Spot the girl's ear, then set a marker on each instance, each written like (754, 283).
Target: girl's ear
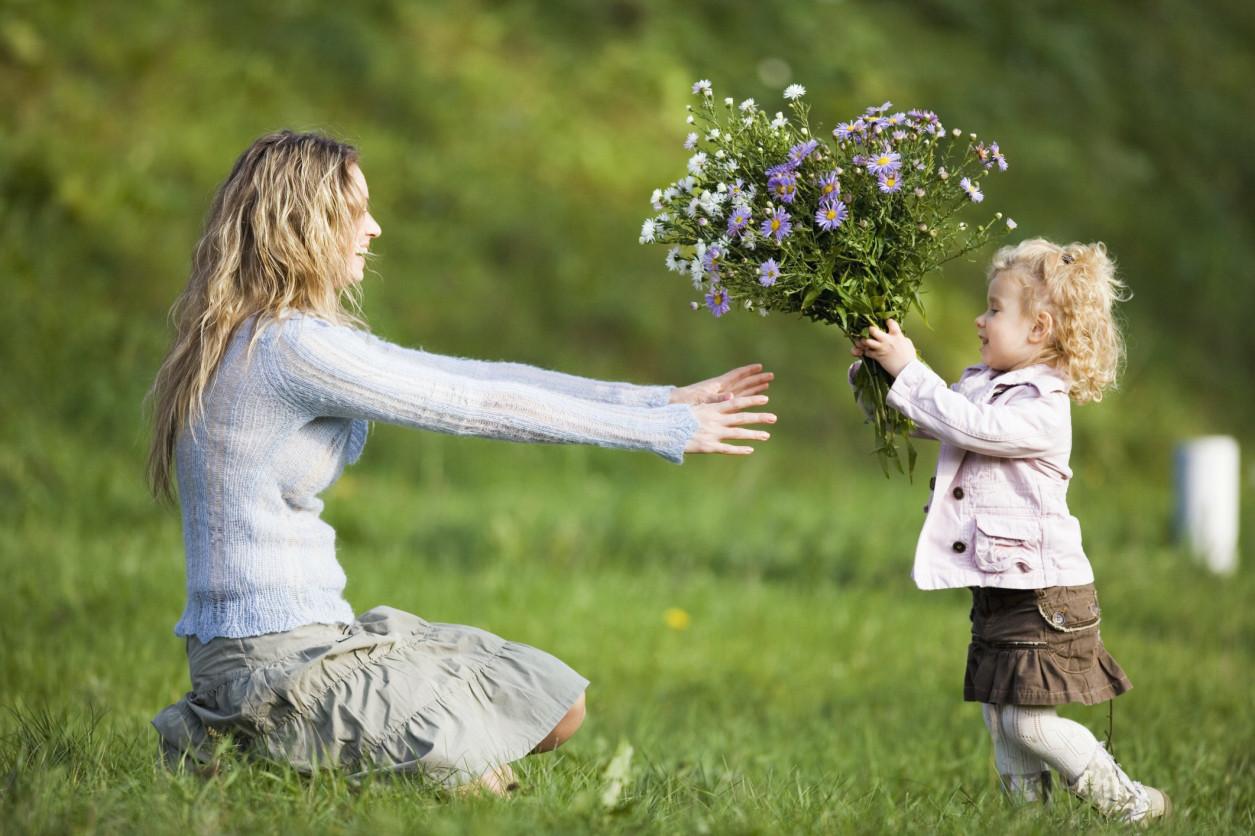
(1042, 329)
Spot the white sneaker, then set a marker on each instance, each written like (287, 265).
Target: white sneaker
(1105, 785)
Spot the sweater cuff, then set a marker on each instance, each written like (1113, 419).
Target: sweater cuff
(657, 396)
(678, 438)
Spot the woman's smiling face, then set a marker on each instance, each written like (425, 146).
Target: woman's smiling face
(366, 230)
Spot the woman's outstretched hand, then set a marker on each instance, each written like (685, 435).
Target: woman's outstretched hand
(738, 383)
(724, 420)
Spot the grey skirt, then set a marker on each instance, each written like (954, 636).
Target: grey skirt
(389, 691)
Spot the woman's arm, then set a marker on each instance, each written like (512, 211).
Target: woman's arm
(628, 394)
(326, 369)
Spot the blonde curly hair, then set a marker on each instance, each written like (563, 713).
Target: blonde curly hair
(1077, 285)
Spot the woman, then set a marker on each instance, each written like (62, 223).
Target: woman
(263, 399)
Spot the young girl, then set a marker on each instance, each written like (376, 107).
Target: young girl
(262, 401)
(998, 520)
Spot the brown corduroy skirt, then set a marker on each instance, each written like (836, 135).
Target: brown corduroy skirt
(1039, 647)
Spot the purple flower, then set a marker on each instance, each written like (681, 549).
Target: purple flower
(831, 215)
(712, 260)
(899, 135)
(885, 161)
(783, 186)
(829, 187)
(897, 120)
(802, 150)
(890, 181)
(717, 300)
(768, 272)
(782, 168)
(777, 226)
(702, 87)
(850, 130)
(738, 220)
(973, 190)
(998, 156)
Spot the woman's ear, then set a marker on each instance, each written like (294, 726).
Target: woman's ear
(1043, 328)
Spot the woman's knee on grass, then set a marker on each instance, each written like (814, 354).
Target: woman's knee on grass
(567, 726)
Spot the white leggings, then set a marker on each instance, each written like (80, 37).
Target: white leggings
(1030, 738)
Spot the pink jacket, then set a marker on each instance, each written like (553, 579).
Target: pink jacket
(998, 515)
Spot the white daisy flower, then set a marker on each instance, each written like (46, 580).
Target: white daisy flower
(697, 162)
(674, 263)
(647, 231)
(702, 87)
(779, 122)
(748, 106)
(794, 91)
(1011, 224)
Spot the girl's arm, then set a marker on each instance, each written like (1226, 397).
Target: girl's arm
(330, 370)
(1030, 426)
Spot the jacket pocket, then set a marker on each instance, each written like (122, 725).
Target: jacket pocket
(1007, 544)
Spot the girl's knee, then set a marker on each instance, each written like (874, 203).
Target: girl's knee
(1023, 724)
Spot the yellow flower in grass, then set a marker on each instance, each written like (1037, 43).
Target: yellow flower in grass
(676, 618)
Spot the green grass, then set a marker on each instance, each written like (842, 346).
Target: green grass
(814, 689)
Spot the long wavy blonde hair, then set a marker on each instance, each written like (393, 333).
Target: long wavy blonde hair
(1078, 286)
(277, 236)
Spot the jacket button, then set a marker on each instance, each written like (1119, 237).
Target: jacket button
(932, 484)
(958, 493)
(959, 546)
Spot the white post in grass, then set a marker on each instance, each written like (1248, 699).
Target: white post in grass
(1207, 500)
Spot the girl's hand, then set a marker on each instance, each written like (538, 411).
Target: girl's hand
(892, 349)
(738, 383)
(723, 420)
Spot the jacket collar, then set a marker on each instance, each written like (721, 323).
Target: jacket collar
(1046, 378)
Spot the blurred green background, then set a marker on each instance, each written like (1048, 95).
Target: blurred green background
(511, 148)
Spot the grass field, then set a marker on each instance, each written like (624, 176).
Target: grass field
(813, 689)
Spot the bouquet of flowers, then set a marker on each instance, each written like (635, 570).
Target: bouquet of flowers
(772, 217)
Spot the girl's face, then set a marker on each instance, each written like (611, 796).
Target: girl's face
(364, 232)
(1008, 338)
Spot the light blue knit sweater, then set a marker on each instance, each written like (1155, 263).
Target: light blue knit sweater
(282, 421)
